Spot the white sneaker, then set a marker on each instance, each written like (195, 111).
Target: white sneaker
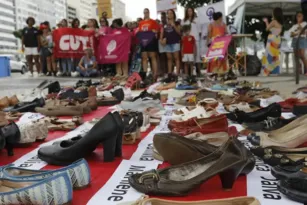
(29, 74)
(75, 74)
(59, 74)
(35, 74)
(41, 74)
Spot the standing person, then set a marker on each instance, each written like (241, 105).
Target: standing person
(270, 61)
(122, 67)
(87, 66)
(162, 54)
(217, 29)
(92, 25)
(151, 49)
(75, 24)
(66, 63)
(188, 49)
(104, 30)
(170, 38)
(190, 18)
(46, 50)
(302, 44)
(31, 45)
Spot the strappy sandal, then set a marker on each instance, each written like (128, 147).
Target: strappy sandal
(133, 81)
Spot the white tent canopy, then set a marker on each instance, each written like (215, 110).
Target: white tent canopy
(265, 7)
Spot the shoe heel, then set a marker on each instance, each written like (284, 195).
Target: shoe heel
(228, 178)
(129, 138)
(138, 134)
(249, 167)
(119, 145)
(9, 148)
(109, 147)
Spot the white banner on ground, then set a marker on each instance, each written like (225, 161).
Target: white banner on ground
(164, 5)
(144, 153)
(29, 117)
(205, 14)
(262, 185)
(117, 189)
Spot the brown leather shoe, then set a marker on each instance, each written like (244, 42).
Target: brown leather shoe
(178, 150)
(91, 102)
(230, 201)
(13, 100)
(4, 103)
(61, 111)
(227, 162)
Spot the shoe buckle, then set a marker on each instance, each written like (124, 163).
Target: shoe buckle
(151, 175)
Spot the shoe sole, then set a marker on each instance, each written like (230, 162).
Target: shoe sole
(292, 194)
(54, 162)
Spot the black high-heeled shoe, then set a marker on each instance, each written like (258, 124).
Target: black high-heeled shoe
(273, 111)
(11, 135)
(106, 131)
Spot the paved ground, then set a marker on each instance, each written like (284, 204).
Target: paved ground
(18, 84)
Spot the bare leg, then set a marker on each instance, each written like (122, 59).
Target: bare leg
(48, 60)
(30, 62)
(37, 64)
(154, 63)
(125, 68)
(54, 65)
(177, 61)
(169, 62)
(186, 68)
(302, 56)
(145, 61)
(119, 69)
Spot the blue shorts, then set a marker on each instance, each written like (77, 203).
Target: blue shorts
(172, 48)
(302, 43)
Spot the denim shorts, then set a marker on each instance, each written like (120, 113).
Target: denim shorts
(172, 48)
(302, 43)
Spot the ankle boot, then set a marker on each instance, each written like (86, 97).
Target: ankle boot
(105, 132)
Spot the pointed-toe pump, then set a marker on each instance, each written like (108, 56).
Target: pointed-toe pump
(227, 162)
(290, 139)
(105, 132)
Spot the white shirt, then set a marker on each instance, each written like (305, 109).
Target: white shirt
(195, 27)
(295, 28)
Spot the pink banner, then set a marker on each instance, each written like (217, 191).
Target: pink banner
(218, 48)
(114, 48)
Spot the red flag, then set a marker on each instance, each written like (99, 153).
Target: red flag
(71, 42)
(114, 48)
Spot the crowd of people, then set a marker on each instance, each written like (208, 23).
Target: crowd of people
(171, 45)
